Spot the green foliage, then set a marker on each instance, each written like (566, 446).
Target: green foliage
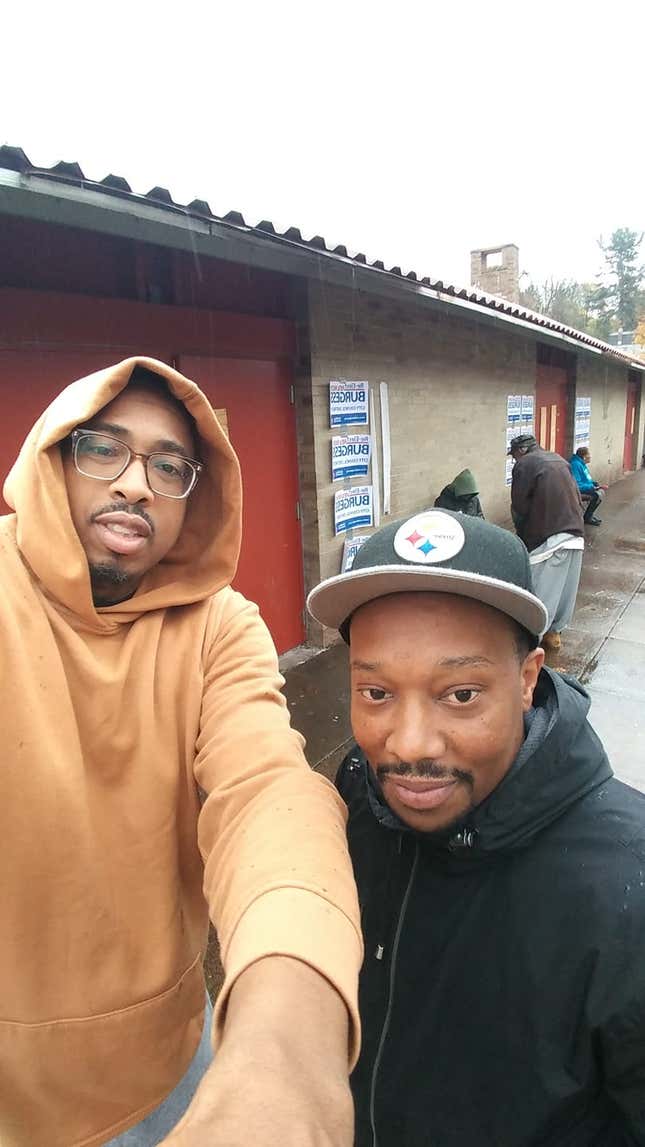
(615, 301)
(624, 274)
(581, 305)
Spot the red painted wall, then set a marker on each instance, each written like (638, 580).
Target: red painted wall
(41, 256)
(48, 339)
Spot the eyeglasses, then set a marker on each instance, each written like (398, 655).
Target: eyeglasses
(103, 457)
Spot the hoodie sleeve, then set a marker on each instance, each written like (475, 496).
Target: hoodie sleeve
(582, 476)
(619, 996)
(624, 1047)
(278, 879)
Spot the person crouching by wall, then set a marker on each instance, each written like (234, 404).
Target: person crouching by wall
(461, 495)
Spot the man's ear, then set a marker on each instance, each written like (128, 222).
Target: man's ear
(531, 667)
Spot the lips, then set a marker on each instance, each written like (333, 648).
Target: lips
(420, 794)
(122, 533)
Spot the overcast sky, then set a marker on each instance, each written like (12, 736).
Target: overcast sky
(411, 130)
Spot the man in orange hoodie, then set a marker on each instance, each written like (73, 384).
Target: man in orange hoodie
(149, 776)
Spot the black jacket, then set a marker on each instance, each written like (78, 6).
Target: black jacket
(503, 988)
(544, 498)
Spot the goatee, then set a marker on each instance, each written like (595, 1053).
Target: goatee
(110, 584)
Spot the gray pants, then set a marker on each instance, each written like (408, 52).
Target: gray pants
(555, 582)
(160, 1122)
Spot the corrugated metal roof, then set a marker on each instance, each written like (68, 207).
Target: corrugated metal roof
(14, 159)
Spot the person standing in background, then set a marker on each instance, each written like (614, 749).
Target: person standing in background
(548, 517)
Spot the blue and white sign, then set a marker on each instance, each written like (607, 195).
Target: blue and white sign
(353, 508)
(348, 403)
(514, 409)
(528, 407)
(350, 549)
(350, 456)
(582, 428)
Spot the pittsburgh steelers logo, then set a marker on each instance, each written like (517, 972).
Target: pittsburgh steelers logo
(429, 537)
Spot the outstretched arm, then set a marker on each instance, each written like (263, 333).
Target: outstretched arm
(280, 889)
(280, 1074)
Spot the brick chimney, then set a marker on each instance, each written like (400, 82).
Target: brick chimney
(497, 271)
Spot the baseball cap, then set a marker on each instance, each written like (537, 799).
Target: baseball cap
(435, 551)
(521, 440)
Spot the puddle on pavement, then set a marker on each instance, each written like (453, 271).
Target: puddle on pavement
(630, 545)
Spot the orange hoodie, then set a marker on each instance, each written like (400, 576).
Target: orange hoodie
(111, 719)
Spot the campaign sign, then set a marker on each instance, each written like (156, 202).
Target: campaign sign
(350, 456)
(352, 508)
(350, 549)
(348, 403)
(582, 431)
(527, 407)
(514, 408)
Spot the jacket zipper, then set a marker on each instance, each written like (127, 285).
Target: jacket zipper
(388, 1013)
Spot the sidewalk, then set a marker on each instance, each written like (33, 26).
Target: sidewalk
(604, 647)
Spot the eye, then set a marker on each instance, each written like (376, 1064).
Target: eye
(462, 696)
(170, 467)
(95, 448)
(374, 694)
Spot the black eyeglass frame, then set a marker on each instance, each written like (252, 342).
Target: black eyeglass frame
(197, 467)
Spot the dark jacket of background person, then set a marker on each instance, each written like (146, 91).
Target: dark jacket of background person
(462, 495)
(544, 498)
(503, 987)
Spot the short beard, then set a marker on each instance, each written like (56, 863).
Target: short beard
(429, 770)
(107, 581)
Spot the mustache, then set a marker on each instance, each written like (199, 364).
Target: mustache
(426, 770)
(123, 508)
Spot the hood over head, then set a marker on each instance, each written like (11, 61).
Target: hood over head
(204, 558)
(464, 485)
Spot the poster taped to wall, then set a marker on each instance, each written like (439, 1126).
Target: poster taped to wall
(514, 409)
(350, 550)
(350, 456)
(526, 421)
(582, 425)
(520, 413)
(353, 508)
(348, 403)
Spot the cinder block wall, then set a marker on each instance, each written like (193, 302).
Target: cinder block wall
(449, 377)
(606, 383)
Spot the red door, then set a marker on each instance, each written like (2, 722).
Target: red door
(551, 399)
(631, 416)
(29, 380)
(261, 425)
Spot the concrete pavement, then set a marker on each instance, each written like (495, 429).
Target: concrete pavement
(604, 647)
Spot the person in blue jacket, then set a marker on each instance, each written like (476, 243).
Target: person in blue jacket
(591, 492)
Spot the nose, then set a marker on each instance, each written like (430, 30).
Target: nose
(132, 484)
(416, 733)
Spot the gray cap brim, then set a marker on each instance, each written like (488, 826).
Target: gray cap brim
(337, 598)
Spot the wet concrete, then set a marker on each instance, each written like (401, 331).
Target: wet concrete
(318, 698)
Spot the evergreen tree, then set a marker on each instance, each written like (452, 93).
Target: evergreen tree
(625, 274)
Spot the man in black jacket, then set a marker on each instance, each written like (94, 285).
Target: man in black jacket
(548, 515)
(500, 866)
